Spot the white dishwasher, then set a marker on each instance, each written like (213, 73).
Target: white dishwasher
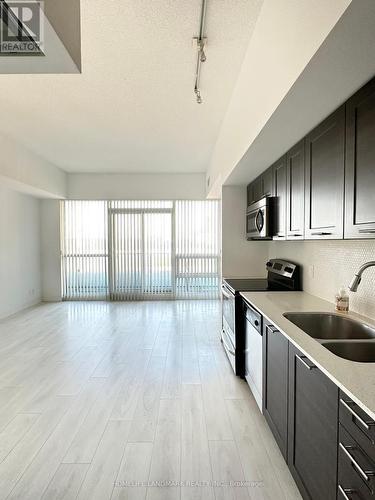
(254, 352)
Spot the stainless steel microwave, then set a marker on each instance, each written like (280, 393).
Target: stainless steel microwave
(259, 219)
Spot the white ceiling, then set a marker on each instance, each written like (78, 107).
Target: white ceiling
(132, 109)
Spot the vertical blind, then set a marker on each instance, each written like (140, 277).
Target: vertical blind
(84, 249)
(132, 250)
(197, 248)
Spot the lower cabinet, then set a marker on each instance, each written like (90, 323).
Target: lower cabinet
(327, 440)
(312, 428)
(275, 384)
(356, 469)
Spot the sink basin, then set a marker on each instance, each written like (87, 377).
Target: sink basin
(354, 351)
(330, 326)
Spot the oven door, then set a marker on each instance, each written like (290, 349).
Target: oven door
(228, 330)
(228, 314)
(229, 348)
(257, 220)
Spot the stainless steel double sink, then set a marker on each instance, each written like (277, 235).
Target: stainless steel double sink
(345, 337)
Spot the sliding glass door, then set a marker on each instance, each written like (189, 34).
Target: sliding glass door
(140, 253)
(133, 250)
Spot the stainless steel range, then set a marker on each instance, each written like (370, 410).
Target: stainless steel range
(281, 276)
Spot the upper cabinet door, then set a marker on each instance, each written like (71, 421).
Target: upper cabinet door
(267, 183)
(262, 186)
(295, 175)
(324, 179)
(360, 164)
(279, 175)
(254, 191)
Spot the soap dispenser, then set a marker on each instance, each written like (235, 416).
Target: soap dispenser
(342, 300)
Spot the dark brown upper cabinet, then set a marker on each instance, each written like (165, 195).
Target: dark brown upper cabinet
(295, 199)
(324, 178)
(360, 164)
(254, 191)
(329, 184)
(267, 183)
(262, 186)
(279, 176)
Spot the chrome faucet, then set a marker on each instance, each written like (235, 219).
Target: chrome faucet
(358, 276)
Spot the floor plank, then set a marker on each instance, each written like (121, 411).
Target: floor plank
(227, 471)
(66, 482)
(196, 473)
(14, 432)
(101, 475)
(132, 478)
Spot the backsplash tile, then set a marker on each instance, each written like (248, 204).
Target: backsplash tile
(335, 263)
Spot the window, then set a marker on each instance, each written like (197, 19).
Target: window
(132, 250)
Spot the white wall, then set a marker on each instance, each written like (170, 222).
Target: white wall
(335, 263)
(240, 258)
(25, 171)
(286, 36)
(136, 186)
(20, 276)
(50, 250)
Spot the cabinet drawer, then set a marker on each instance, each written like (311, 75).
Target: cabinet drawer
(355, 474)
(358, 424)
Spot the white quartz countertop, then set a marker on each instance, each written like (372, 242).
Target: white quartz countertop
(357, 380)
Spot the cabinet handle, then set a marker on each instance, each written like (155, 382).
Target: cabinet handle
(272, 328)
(345, 491)
(309, 367)
(226, 293)
(366, 425)
(366, 231)
(364, 474)
(320, 234)
(296, 234)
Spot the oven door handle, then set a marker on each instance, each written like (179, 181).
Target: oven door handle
(227, 348)
(225, 292)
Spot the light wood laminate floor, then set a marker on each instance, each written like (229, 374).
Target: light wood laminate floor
(129, 401)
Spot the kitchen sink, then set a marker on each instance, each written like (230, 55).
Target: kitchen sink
(354, 351)
(331, 326)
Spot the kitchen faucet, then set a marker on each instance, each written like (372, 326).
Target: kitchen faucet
(358, 276)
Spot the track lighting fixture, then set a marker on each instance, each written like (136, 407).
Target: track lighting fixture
(200, 42)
